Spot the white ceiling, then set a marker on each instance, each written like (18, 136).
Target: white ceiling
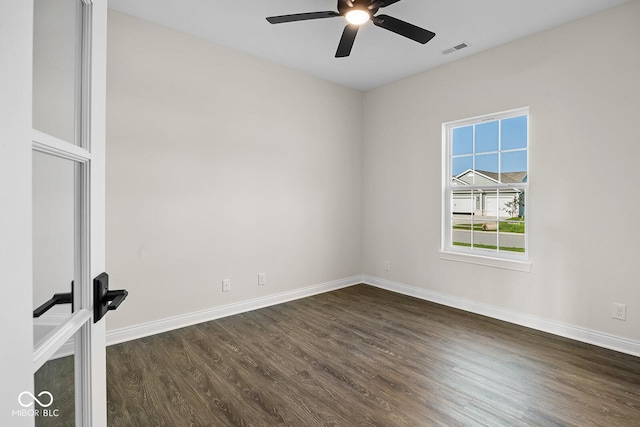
(378, 56)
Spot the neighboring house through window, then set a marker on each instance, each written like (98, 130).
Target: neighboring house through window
(486, 178)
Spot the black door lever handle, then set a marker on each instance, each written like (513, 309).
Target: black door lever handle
(65, 298)
(55, 300)
(116, 298)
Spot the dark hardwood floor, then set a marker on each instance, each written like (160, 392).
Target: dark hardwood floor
(364, 356)
(57, 377)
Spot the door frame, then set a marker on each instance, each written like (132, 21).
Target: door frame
(97, 135)
(16, 330)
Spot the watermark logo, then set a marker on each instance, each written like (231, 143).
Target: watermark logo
(44, 399)
(28, 402)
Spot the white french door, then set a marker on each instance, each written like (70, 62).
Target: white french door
(65, 351)
(68, 214)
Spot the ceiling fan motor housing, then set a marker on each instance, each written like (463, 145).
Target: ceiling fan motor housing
(344, 7)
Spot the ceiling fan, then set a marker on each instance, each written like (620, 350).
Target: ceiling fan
(358, 12)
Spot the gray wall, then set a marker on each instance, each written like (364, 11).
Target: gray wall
(220, 165)
(223, 166)
(581, 83)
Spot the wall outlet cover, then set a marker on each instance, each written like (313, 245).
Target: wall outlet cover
(619, 311)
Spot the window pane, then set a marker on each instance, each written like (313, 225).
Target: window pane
(487, 137)
(512, 203)
(514, 161)
(463, 140)
(487, 165)
(511, 232)
(463, 205)
(461, 164)
(512, 235)
(485, 234)
(514, 133)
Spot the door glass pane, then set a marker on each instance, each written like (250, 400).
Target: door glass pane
(55, 68)
(53, 239)
(54, 390)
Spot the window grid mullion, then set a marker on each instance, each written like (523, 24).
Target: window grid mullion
(498, 191)
(498, 220)
(473, 150)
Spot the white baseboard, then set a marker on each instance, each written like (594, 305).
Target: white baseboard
(569, 331)
(164, 325)
(600, 339)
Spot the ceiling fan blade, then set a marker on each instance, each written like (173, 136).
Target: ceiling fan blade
(301, 17)
(403, 28)
(346, 42)
(382, 3)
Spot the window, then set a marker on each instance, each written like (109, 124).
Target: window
(486, 181)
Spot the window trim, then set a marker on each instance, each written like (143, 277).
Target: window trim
(507, 260)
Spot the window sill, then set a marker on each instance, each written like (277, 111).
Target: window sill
(507, 264)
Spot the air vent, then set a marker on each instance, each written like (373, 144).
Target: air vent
(455, 48)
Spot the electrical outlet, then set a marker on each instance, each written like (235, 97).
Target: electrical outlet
(387, 266)
(619, 311)
(262, 279)
(226, 285)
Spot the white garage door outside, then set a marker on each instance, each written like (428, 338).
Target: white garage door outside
(493, 207)
(463, 204)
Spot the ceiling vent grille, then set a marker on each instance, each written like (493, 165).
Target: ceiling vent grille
(455, 48)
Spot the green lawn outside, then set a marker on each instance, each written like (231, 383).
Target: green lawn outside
(502, 248)
(508, 226)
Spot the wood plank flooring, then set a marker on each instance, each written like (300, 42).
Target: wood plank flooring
(364, 356)
(57, 377)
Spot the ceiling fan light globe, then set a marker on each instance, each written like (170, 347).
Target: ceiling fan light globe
(357, 16)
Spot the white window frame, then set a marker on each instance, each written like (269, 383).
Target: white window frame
(501, 259)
